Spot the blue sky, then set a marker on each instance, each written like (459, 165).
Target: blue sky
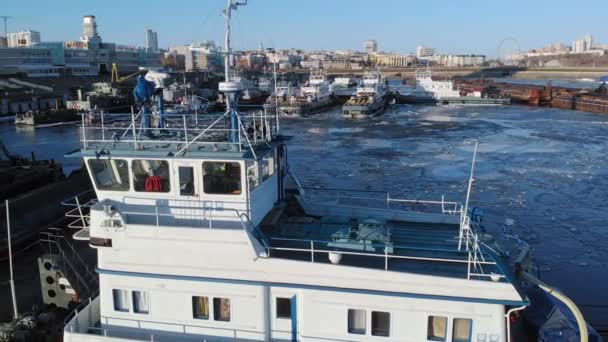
(465, 26)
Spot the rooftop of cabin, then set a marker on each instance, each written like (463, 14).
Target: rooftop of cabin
(178, 134)
(392, 245)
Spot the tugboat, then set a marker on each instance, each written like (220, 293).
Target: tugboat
(206, 234)
(371, 98)
(311, 98)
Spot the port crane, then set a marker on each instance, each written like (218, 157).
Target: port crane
(116, 78)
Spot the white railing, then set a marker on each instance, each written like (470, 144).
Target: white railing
(189, 210)
(350, 198)
(178, 132)
(87, 320)
(320, 247)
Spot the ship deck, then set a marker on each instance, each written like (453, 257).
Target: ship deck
(393, 245)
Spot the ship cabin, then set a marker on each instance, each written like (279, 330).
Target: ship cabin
(204, 233)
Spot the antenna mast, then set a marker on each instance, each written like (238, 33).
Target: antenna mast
(5, 18)
(232, 6)
(230, 88)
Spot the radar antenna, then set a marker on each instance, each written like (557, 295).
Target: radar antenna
(230, 88)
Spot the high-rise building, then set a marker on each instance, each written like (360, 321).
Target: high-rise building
(25, 38)
(370, 46)
(151, 41)
(424, 52)
(582, 45)
(89, 31)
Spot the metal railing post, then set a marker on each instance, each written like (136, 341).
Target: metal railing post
(312, 251)
(133, 125)
(84, 133)
(103, 131)
(385, 258)
(388, 200)
(185, 129)
(157, 219)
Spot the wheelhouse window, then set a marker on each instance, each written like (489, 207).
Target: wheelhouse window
(186, 180)
(121, 300)
(381, 323)
(253, 175)
(267, 166)
(110, 174)
(437, 328)
(141, 302)
(356, 321)
(200, 307)
(222, 178)
(221, 309)
(283, 307)
(151, 176)
(462, 330)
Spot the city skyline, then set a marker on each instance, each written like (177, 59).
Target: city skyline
(317, 25)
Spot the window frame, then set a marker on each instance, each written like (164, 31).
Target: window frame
(445, 329)
(216, 313)
(127, 303)
(348, 321)
(139, 311)
(470, 321)
(203, 190)
(92, 174)
(276, 307)
(169, 177)
(388, 330)
(208, 317)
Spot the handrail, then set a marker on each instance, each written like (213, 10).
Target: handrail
(208, 130)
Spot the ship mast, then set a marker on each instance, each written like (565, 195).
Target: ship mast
(230, 88)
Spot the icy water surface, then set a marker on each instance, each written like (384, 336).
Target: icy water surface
(545, 170)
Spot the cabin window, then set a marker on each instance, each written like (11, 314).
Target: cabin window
(141, 302)
(283, 306)
(110, 174)
(186, 180)
(151, 176)
(222, 178)
(253, 175)
(462, 330)
(221, 309)
(437, 328)
(381, 323)
(356, 321)
(200, 307)
(267, 166)
(121, 300)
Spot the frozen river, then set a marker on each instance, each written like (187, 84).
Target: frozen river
(543, 170)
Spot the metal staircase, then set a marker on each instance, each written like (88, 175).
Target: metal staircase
(79, 274)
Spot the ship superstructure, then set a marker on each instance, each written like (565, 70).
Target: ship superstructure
(371, 97)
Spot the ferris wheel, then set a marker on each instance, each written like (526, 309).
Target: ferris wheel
(509, 52)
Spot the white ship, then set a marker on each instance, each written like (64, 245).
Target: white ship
(432, 91)
(198, 239)
(344, 87)
(370, 99)
(314, 96)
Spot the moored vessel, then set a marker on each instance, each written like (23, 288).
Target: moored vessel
(205, 233)
(371, 97)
